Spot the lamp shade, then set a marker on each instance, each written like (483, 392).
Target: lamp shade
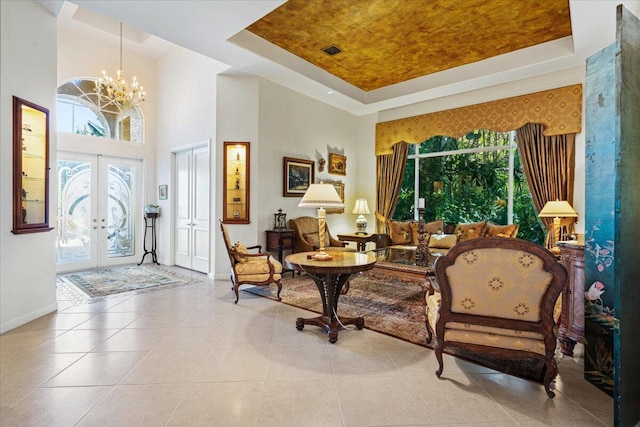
(321, 196)
(361, 207)
(558, 208)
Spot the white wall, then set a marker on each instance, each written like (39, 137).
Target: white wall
(279, 123)
(186, 111)
(549, 81)
(27, 70)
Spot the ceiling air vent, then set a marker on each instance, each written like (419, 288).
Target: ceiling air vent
(332, 50)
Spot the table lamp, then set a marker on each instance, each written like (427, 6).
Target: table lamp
(361, 209)
(557, 209)
(321, 196)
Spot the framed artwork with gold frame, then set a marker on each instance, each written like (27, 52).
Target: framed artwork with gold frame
(337, 164)
(339, 186)
(297, 175)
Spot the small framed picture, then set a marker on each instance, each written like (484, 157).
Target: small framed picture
(298, 174)
(162, 192)
(339, 186)
(337, 164)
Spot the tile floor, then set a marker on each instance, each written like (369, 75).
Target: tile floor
(188, 356)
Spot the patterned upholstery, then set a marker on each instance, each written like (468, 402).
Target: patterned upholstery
(251, 268)
(307, 236)
(497, 296)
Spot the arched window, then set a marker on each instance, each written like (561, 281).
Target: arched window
(81, 111)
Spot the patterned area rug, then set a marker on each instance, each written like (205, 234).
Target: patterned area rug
(103, 282)
(392, 307)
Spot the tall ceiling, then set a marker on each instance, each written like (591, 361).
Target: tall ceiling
(377, 43)
(394, 52)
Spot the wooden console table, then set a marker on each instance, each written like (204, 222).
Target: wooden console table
(571, 329)
(329, 277)
(360, 239)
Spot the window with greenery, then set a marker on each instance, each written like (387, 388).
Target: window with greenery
(473, 178)
(81, 111)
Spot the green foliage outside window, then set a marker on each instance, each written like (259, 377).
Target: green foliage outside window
(471, 186)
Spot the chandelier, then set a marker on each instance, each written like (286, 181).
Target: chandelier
(118, 91)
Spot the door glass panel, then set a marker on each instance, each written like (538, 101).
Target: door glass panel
(121, 211)
(74, 218)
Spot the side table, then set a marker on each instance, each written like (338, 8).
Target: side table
(571, 327)
(360, 239)
(281, 240)
(150, 223)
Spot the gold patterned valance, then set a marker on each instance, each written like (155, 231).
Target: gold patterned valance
(559, 110)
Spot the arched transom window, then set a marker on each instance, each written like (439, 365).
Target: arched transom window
(81, 111)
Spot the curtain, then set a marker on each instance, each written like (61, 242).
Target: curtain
(389, 174)
(549, 166)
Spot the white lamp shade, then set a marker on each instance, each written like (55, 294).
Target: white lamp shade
(361, 207)
(558, 208)
(321, 196)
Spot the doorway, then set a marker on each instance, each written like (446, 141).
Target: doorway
(99, 211)
(192, 209)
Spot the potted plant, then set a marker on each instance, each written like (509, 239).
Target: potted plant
(152, 209)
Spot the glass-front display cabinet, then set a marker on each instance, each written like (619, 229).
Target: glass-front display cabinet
(236, 183)
(30, 167)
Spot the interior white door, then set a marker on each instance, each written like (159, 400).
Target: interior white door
(99, 212)
(192, 209)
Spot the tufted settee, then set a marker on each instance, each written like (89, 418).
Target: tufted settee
(405, 234)
(496, 296)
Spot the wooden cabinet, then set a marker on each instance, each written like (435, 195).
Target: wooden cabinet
(236, 183)
(279, 241)
(571, 328)
(30, 167)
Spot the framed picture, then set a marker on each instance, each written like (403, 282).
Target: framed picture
(162, 192)
(339, 186)
(298, 174)
(337, 164)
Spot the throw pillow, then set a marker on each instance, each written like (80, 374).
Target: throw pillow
(434, 227)
(496, 230)
(239, 248)
(443, 241)
(470, 231)
(400, 232)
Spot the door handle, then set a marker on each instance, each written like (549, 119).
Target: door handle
(95, 227)
(103, 227)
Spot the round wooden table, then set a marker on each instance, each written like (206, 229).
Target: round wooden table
(329, 277)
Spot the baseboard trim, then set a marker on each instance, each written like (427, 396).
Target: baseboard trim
(19, 321)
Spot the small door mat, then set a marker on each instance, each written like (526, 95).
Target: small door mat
(85, 286)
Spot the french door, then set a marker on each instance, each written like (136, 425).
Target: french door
(192, 209)
(99, 211)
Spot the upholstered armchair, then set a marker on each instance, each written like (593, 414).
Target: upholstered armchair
(251, 268)
(496, 296)
(307, 236)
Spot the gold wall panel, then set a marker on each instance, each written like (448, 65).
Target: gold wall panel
(559, 110)
(392, 41)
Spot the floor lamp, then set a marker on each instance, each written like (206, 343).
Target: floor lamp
(557, 209)
(321, 196)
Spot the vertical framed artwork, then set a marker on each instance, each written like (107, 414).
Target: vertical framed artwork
(298, 174)
(339, 186)
(337, 164)
(162, 192)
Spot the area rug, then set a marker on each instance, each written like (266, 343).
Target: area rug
(103, 282)
(392, 307)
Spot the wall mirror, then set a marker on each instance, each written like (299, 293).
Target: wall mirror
(30, 167)
(236, 183)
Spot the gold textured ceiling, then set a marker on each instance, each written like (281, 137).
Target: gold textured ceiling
(384, 42)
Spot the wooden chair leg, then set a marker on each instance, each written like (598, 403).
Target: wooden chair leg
(235, 290)
(438, 350)
(279, 289)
